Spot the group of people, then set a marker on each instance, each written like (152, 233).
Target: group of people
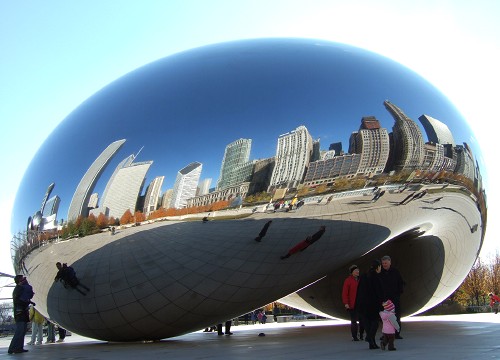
(24, 313)
(37, 323)
(373, 297)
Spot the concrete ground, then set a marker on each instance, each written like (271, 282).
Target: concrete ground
(474, 336)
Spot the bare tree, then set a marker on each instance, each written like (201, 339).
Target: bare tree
(5, 311)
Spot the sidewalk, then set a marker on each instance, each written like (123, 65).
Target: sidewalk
(471, 336)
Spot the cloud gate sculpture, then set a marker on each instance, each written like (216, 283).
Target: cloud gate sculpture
(217, 180)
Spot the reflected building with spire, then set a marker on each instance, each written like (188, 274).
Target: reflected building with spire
(79, 202)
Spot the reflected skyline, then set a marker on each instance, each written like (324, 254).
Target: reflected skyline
(368, 155)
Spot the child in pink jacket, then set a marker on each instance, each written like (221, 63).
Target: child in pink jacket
(389, 325)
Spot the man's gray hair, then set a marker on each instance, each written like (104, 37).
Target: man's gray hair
(386, 257)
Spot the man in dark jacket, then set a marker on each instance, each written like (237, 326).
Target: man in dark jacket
(393, 285)
(369, 298)
(21, 316)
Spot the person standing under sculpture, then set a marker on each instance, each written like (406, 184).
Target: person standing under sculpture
(37, 321)
(227, 326)
(51, 332)
(393, 285)
(369, 298)
(21, 316)
(349, 290)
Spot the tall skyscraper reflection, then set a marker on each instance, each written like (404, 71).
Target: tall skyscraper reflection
(408, 140)
(234, 168)
(151, 200)
(185, 185)
(437, 131)
(79, 203)
(124, 190)
(292, 157)
(372, 142)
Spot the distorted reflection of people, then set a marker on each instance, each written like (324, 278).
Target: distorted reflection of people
(67, 275)
(301, 246)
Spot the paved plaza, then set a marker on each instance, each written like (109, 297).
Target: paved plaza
(474, 336)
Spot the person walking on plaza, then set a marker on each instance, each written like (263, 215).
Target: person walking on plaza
(494, 302)
(349, 291)
(393, 285)
(37, 321)
(21, 316)
(389, 325)
(369, 298)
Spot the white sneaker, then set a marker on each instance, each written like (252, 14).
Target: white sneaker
(60, 340)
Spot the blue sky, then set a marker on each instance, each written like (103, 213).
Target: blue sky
(55, 55)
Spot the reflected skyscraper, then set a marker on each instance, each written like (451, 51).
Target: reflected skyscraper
(293, 154)
(437, 131)
(151, 199)
(124, 190)
(79, 203)
(166, 198)
(408, 140)
(185, 185)
(372, 142)
(465, 161)
(204, 186)
(234, 167)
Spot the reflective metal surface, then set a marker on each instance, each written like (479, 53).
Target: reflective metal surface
(159, 189)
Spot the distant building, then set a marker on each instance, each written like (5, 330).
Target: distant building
(465, 162)
(316, 152)
(125, 189)
(94, 198)
(166, 198)
(337, 147)
(433, 157)
(124, 163)
(185, 185)
(437, 131)
(51, 206)
(408, 140)
(79, 202)
(204, 187)
(372, 142)
(292, 158)
(261, 176)
(330, 154)
(227, 194)
(151, 200)
(324, 171)
(235, 166)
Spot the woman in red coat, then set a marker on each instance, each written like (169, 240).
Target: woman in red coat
(349, 291)
(494, 301)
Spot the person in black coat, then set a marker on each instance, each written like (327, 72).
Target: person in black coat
(393, 285)
(21, 315)
(369, 298)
